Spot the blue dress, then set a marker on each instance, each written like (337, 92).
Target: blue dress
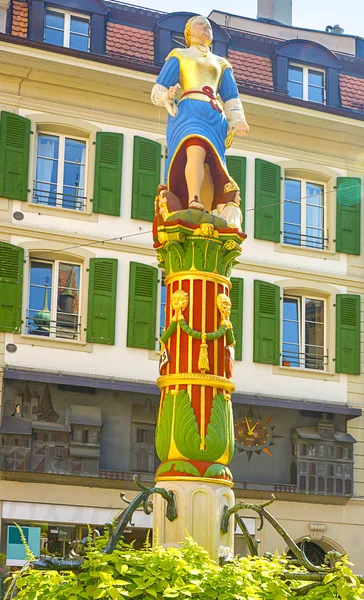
(197, 119)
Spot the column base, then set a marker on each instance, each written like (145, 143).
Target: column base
(199, 511)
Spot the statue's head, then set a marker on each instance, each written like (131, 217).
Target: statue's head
(198, 30)
(179, 300)
(224, 304)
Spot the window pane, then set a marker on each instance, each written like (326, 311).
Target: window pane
(295, 74)
(295, 89)
(38, 318)
(45, 186)
(292, 211)
(53, 36)
(316, 94)
(315, 194)
(74, 175)
(314, 310)
(79, 42)
(73, 198)
(47, 170)
(292, 234)
(290, 309)
(79, 25)
(54, 19)
(48, 146)
(68, 301)
(45, 193)
(316, 78)
(75, 151)
(290, 346)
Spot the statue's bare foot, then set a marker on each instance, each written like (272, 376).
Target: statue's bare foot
(195, 203)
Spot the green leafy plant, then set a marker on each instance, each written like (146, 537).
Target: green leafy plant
(183, 572)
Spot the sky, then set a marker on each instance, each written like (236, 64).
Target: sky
(311, 14)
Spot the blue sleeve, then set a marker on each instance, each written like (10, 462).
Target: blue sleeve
(169, 74)
(228, 88)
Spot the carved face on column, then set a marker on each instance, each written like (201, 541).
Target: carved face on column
(224, 305)
(179, 300)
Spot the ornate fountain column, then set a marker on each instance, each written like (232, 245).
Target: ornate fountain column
(194, 435)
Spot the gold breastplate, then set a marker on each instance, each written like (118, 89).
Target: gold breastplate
(199, 71)
(196, 72)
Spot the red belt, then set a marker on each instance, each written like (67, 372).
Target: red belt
(206, 91)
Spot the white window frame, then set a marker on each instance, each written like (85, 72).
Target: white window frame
(54, 298)
(60, 171)
(304, 181)
(301, 329)
(305, 70)
(67, 25)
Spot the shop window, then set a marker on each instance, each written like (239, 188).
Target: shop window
(304, 335)
(54, 300)
(143, 452)
(60, 171)
(306, 83)
(63, 28)
(304, 214)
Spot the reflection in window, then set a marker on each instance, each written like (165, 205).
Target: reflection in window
(67, 29)
(306, 83)
(54, 291)
(60, 172)
(303, 333)
(304, 216)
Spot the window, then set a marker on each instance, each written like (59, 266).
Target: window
(67, 29)
(54, 300)
(60, 171)
(306, 83)
(303, 333)
(304, 215)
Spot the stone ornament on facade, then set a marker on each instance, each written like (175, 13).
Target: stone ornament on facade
(317, 531)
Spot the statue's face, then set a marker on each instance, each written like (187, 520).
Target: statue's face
(224, 303)
(201, 30)
(179, 300)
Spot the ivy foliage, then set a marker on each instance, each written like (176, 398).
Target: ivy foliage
(182, 572)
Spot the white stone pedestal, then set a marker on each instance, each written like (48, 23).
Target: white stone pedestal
(199, 508)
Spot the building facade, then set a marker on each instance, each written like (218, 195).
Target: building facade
(82, 151)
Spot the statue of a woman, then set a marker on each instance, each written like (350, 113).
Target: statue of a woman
(199, 127)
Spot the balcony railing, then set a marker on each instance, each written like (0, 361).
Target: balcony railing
(70, 201)
(308, 241)
(304, 360)
(66, 326)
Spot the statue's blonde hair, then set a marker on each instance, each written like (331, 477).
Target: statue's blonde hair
(187, 31)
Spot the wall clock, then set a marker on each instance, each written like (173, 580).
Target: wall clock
(254, 434)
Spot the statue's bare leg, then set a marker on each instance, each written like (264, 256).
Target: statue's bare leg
(195, 175)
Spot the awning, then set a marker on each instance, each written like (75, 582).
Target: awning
(145, 387)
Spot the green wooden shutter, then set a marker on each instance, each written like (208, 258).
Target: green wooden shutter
(11, 284)
(348, 200)
(236, 297)
(14, 156)
(267, 212)
(237, 169)
(102, 300)
(142, 306)
(266, 322)
(108, 167)
(348, 334)
(146, 178)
